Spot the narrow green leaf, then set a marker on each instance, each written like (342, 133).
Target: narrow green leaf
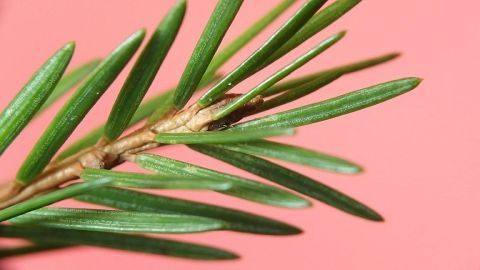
(117, 221)
(299, 91)
(29, 249)
(241, 187)
(143, 202)
(220, 136)
(260, 55)
(117, 241)
(68, 81)
(207, 45)
(343, 69)
(334, 107)
(363, 64)
(294, 154)
(243, 39)
(143, 72)
(284, 72)
(316, 24)
(76, 108)
(290, 179)
(33, 95)
(138, 180)
(49, 198)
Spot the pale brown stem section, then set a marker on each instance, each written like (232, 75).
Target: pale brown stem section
(106, 155)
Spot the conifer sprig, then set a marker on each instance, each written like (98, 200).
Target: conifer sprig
(213, 125)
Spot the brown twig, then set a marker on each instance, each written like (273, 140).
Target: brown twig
(106, 155)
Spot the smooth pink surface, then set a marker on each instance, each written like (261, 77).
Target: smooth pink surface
(420, 150)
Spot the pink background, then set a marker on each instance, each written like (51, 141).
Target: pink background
(420, 150)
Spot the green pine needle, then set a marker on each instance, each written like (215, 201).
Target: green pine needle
(143, 202)
(220, 136)
(291, 180)
(118, 241)
(47, 199)
(241, 187)
(143, 72)
(33, 95)
(203, 53)
(138, 180)
(294, 154)
(117, 221)
(334, 107)
(343, 69)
